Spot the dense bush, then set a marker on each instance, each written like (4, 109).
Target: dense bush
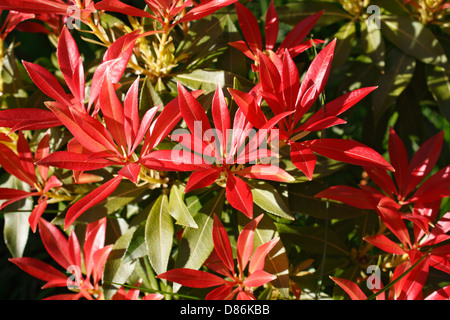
(224, 149)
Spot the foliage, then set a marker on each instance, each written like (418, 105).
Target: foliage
(225, 149)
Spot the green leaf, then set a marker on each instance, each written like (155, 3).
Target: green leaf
(414, 39)
(196, 243)
(137, 247)
(312, 238)
(116, 269)
(345, 37)
(395, 7)
(207, 80)
(399, 72)
(438, 81)
(373, 43)
(148, 97)
(294, 12)
(177, 207)
(16, 226)
(159, 233)
(267, 198)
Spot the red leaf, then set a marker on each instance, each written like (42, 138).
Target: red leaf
(319, 70)
(222, 244)
(12, 164)
(192, 278)
(436, 186)
(258, 278)
(112, 111)
(382, 179)
(245, 295)
(303, 158)
(423, 161)
(385, 244)
(71, 64)
(247, 103)
(341, 104)
(298, 34)
(94, 241)
(114, 61)
(205, 9)
(221, 118)
(88, 131)
(99, 260)
(410, 287)
(250, 28)
(321, 124)
(41, 270)
(74, 248)
(193, 113)
(440, 294)
(32, 6)
(241, 129)
(399, 159)
(120, 7)
(42, 151)
(351, 288)
(391, 217)
(348, 195)
(349, 151)
(74, 161)
(7, 193)
(91, 200)
(161, 127)
(26, 158)
(244, 243)
(131, 172)
(55, 243)
(202, 178)
(271, 27)
(221, 293)
(131, 113)
(315, 79)
(290, 81)
(242, 46)
(36, 214)
(259, 256)
(239, 195)
(271, 82)
(28, 119)
(48, 84)
(173, 160)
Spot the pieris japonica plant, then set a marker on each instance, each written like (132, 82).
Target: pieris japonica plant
(165, 151)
